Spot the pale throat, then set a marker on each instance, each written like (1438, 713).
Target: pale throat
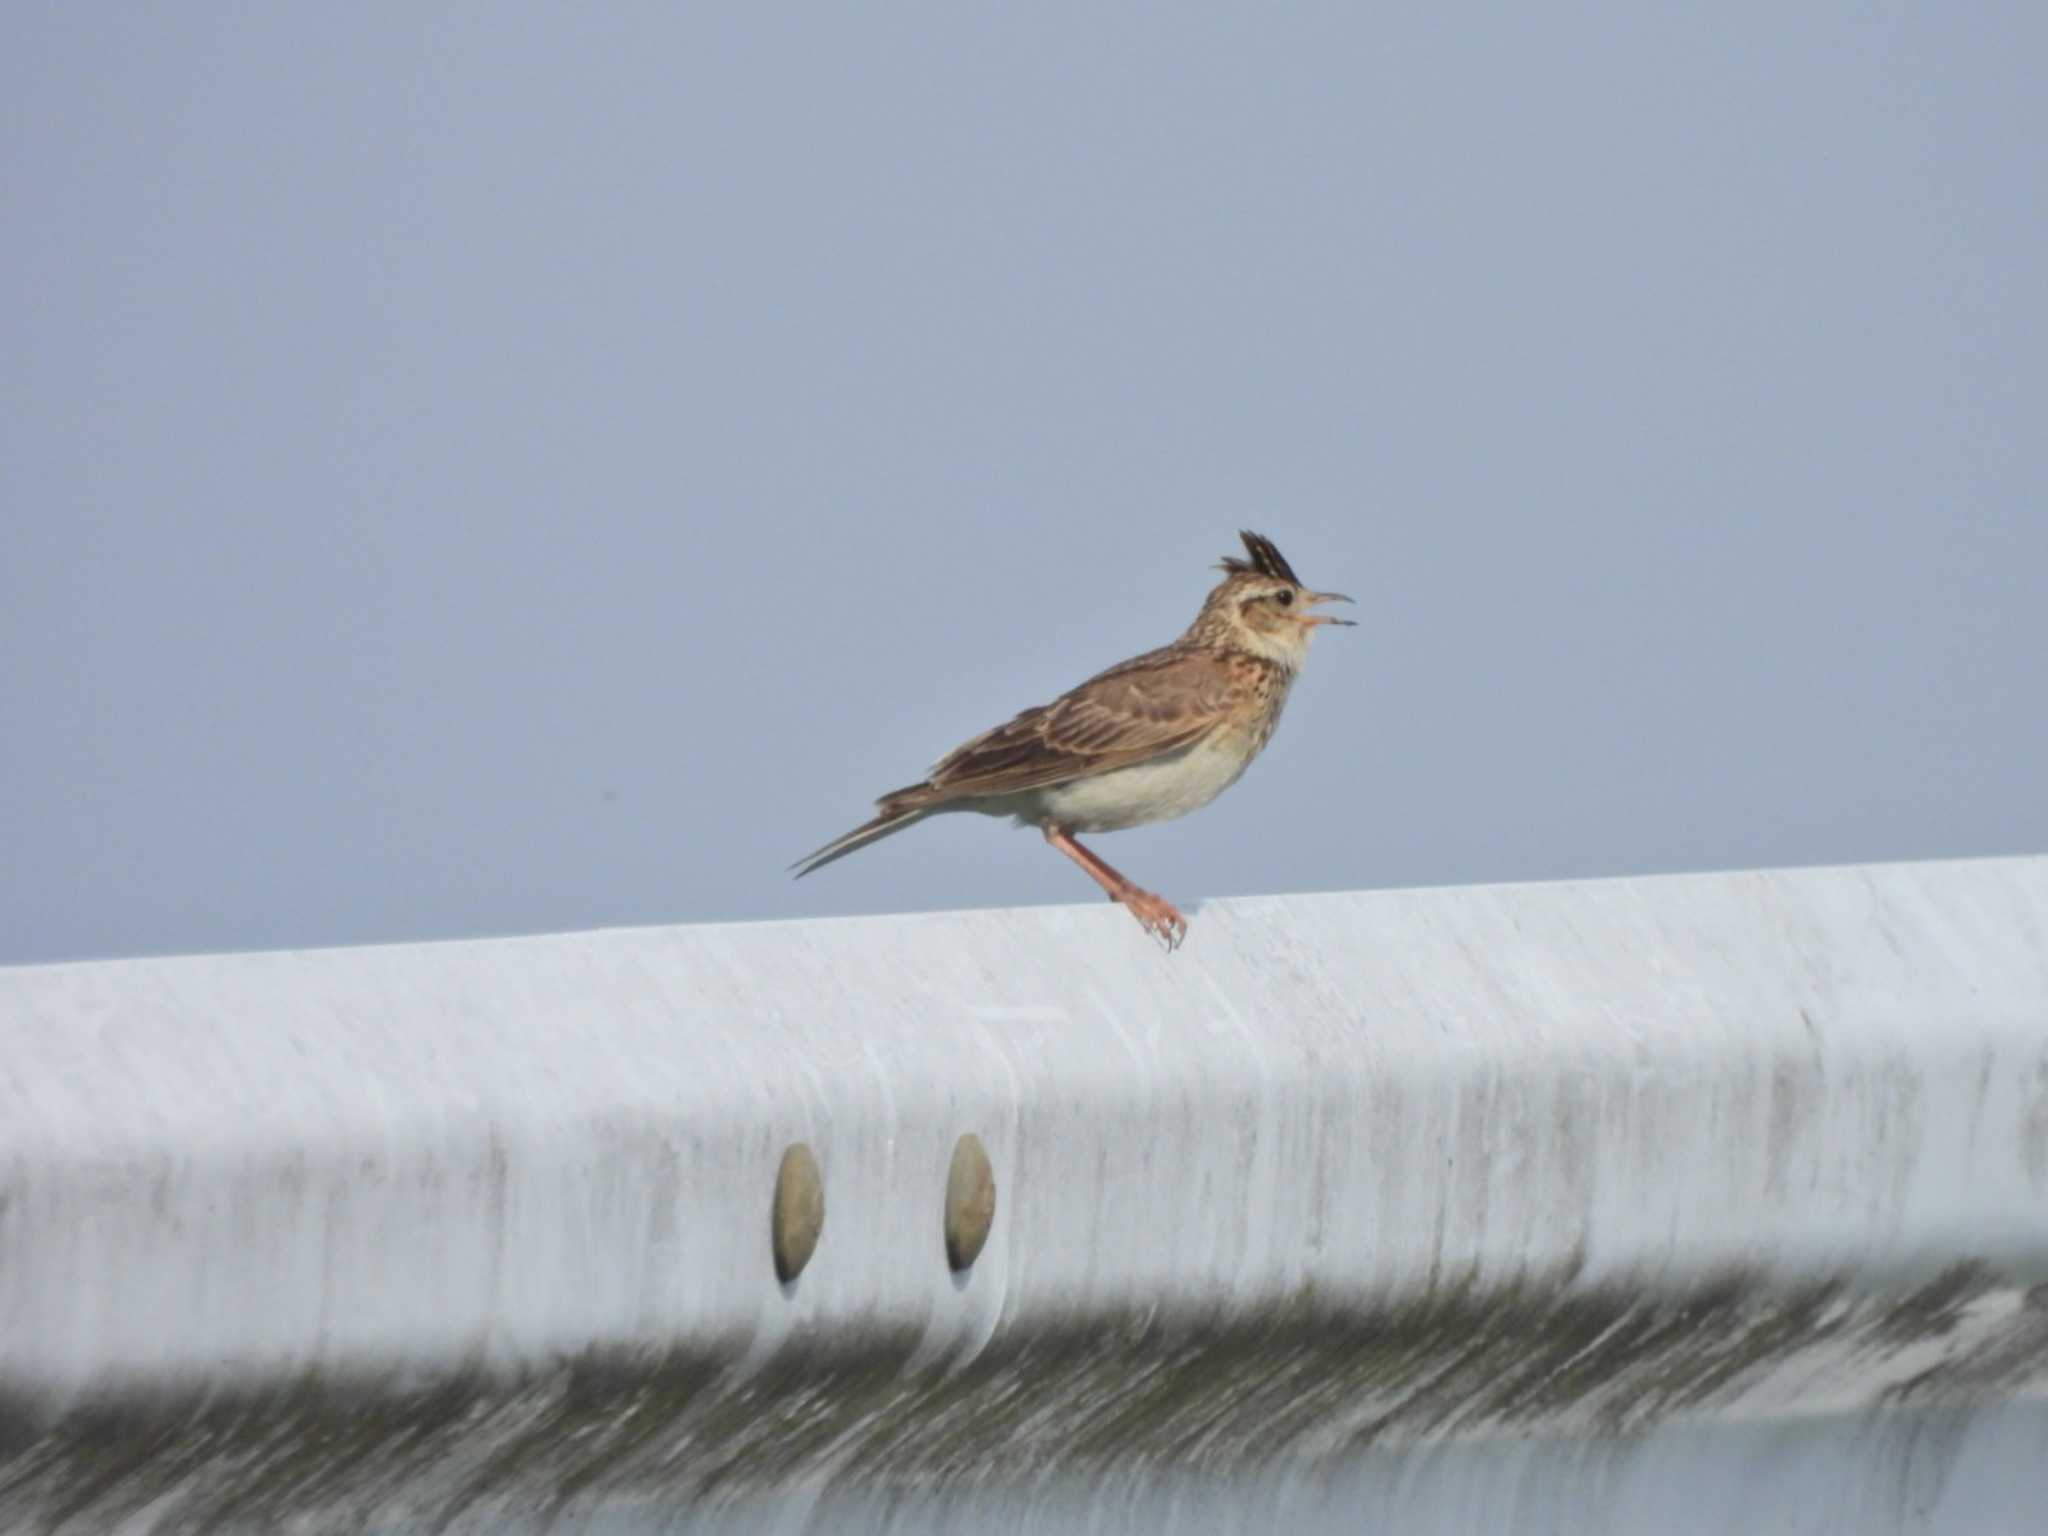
(1287, 648)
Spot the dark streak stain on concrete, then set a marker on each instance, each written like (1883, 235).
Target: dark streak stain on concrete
(1205, 1392)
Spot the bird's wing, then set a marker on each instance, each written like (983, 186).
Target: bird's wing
(1140, 709)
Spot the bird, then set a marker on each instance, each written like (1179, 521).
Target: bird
(1146, 740)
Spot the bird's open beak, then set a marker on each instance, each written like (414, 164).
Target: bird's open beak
(1310, 599)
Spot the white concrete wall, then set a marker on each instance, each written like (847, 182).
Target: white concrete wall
(1546, 1207)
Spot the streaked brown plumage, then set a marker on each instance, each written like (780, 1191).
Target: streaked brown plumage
(1150, 738)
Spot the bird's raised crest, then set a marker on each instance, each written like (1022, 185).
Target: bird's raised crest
(1266, 559)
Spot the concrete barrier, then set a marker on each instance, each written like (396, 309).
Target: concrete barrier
(1713, 1202)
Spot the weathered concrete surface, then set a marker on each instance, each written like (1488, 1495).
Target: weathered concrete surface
(1718, 1201)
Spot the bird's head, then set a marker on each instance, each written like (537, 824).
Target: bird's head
(1261, 605)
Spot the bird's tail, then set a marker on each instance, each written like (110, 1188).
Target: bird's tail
(894, 812)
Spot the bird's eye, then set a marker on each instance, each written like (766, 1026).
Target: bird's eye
(1284, 599)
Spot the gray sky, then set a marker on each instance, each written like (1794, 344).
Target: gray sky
(468, 470)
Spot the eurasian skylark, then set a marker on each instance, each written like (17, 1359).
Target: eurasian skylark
(1150, 739)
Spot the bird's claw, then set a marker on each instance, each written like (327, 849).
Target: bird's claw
(1158, 917)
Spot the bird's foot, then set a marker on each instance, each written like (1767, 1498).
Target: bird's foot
(1156, 915)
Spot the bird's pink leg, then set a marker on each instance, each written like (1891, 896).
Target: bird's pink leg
(1155, 914)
